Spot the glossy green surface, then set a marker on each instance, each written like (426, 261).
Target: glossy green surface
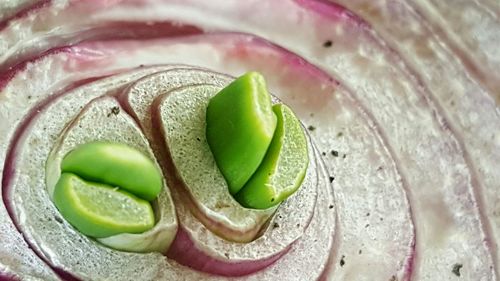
(100, 210)
(240, 127)
(117, 165)
(283, 168)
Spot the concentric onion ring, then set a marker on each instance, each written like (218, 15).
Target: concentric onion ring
(414, 116)
(61, 246)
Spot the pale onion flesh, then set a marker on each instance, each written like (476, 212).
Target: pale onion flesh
(407, 91)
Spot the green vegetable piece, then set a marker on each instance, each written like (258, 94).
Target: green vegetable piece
(240, 127)
(100, 210)
(117, 165)
(283, 168)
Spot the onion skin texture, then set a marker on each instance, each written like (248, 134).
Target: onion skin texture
(415, 125)
(185, 252)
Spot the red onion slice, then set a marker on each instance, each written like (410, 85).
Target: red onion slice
(288, 74)
(402, 78)
(65, 249)
(320, 262)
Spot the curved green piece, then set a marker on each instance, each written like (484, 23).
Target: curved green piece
(240, 127)
(283, 168)
(117, 165)
(100, 210)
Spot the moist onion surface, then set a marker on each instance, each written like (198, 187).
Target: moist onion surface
(399, 98)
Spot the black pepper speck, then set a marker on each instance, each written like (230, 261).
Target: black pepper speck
(456, 269)
(115, 110)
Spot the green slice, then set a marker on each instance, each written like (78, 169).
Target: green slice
(115, 164)
(240, 127)
(100, 210)
(283, 168)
